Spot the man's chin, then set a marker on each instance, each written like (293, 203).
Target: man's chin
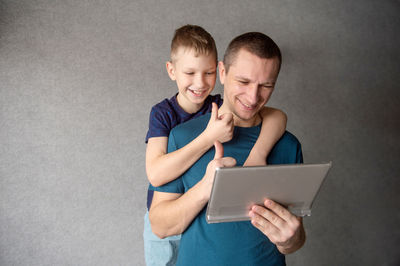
(245, 117)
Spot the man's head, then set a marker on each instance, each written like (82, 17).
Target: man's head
(249, 72)
(193, 66)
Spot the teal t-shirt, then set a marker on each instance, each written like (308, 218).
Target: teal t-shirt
(233, 243)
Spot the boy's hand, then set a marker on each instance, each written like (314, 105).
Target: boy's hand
(219, 127)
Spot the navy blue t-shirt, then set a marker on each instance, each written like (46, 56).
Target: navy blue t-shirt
(233, 243)
(167, 114)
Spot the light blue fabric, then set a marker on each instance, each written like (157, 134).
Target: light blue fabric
(159, 251)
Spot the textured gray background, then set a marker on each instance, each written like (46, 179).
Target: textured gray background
(77, 81)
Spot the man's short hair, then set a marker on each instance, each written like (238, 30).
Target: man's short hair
(256, 43)
(193, 37)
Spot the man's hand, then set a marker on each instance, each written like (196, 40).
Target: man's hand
(219, 161)
(282, 228)
(219, 128)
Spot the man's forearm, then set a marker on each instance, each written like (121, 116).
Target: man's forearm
(171, 215)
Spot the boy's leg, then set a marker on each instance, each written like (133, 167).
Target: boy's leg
(159, 251)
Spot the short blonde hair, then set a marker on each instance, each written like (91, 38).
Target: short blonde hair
(193, 37)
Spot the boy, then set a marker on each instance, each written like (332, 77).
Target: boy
(193, 66)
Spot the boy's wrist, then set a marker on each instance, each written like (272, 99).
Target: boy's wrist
(206, 139)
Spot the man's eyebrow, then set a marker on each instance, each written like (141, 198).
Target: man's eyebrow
(242, 78)
(266, 83)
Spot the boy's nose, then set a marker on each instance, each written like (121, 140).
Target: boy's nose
(199, 82)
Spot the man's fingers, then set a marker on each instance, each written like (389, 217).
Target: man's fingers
(270, 216)
(219, 150)
(278, 210)
(214, 112)
(265, 226)
(228, 161)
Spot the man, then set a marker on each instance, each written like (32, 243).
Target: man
(249, 72)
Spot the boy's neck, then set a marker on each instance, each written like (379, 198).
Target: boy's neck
(189, 108)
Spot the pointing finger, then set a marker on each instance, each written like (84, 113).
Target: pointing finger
(214, 112)
(219, 150)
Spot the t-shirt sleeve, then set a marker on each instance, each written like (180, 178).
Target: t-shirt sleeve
(159, 124)
(175, 186)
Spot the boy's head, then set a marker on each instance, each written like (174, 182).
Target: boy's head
(193, 66)
(193, 37)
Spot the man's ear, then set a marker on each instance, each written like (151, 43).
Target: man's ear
(171, 70)
(221, 71)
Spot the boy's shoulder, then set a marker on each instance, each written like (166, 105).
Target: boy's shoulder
(166, 104)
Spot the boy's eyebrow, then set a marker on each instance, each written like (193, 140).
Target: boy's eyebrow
(193, 69)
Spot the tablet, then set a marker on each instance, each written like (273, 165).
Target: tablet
(236, 189)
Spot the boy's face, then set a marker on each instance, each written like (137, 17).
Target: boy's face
(195, 76)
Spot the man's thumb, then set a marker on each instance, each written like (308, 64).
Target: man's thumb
(219, 150)
(214, 112)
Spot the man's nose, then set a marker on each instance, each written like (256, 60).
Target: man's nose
(252, 94)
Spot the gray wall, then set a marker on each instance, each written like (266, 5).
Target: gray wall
(77, 81)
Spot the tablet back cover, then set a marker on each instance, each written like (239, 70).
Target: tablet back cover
(236, 189)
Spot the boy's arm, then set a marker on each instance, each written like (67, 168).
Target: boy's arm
(163, 167)
(171, 213)
(272, 129)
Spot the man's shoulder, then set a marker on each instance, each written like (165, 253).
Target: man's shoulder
(193, 124)
(289, 139)
(191, 128)
(286, 151)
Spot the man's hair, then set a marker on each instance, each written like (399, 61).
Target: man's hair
(193, 37)
(256, 43)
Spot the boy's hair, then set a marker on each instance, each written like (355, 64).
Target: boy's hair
(193, 37)
(256, 43)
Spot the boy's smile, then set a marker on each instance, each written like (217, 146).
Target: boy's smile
(195, 76)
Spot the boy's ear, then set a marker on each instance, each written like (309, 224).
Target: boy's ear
(221, 71)
(171, 70)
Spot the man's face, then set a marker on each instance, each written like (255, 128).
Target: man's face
(195, 76)
(248, 85)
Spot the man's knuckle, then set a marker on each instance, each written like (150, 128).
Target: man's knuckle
(290, 233)
(295, 223)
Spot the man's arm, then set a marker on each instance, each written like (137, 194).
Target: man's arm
(282, 228)
(171, 213)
